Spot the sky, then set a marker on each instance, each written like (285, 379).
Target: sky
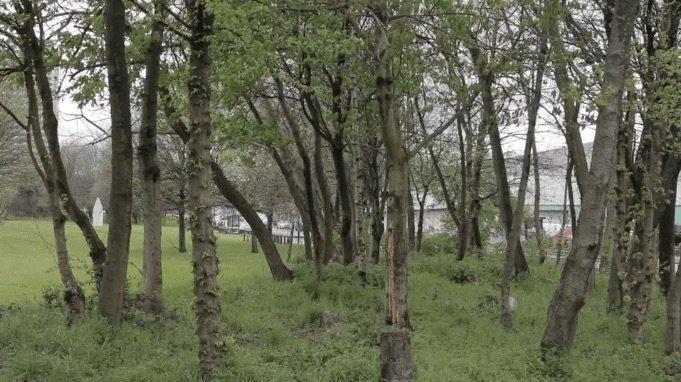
(76, 128)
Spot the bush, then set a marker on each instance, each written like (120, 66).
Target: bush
(438, 244)
(53, 297)
(461, 272)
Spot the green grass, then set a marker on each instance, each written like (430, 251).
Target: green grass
(275, 331)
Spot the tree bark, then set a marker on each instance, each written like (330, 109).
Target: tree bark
(486, 79)
(205, 259)
(514, 237)
(620, 229)
(288, 169)
(112, 295)
(277, 267)
(397, 249)
(50, 125)
(643, 263)
(538, 229)
(73, 292)
(327, 205)
(411, 220)
(373, 192)
(397, 364)
(561, 239)
(254, 243)
(348, 239)
(666, 212)
(419, 226)
(569, 297)
(307, 175)
(181, 228)
(149, 168)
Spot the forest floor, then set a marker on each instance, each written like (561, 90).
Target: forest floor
(304, 330)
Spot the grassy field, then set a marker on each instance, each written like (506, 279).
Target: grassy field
(276, 332)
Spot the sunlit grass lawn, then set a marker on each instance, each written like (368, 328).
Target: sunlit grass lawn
(275, 331)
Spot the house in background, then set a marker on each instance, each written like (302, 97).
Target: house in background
(552, 171)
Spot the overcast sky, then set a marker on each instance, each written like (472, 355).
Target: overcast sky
(73, 127)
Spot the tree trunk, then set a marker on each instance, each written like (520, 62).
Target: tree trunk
(348, 239)
(50, 127)
(289, 169)
(73, 293)
(181, 229)
(419, 227)
(397, 364)
(307, 175)
(149, 170)
(411, 219)
(290, 242)
(503, 190)
(673, 334)
(513, 240)
(569, 297)
(112, 294)
(373, 192)
(254, 243)
(666, 211)
(538, 231)
(561, 239)
(327, 205)
(643, 264)
(400, 366)
(277, 267)
(205, 259)
(620, 229)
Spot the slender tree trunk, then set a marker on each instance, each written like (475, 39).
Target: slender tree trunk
(50, 127)
(569, 297)
(666, 212)
(348, 239)
(538, 229)
(673, 333)
(643, 264)
(327, 205)
(419, 229)
(373, 192)
(489, 120)
(149, 169)
(411, 220)
(205, 259)
(620, 229)
(112, 294)
(561, 238)
(277, 267)
(290, 242)
(530, 147)
(73, 293)
(254, 243)
(397, 362)
(288, 169)
(181, 229)
(270, 221)
(307, 175)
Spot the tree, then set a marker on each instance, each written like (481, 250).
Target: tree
(396, 357)
(120, 202)
(569, 297)
(149, 166)
(205, 260)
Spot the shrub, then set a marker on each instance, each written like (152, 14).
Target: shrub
(53, 297)
(461, 272)
(438, 244)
